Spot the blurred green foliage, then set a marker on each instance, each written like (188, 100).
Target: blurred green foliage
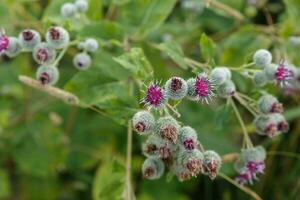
(49, 150)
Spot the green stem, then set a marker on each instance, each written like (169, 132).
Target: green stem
(243, 188)
(247, 139)
(62, 53)
(242, 67)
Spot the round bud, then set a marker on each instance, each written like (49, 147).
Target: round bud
(155, 146)
(270, 71)
(188, 138)
(58, 37)
(153, 168)
(260, 79)
(68, 10)
(191, 160)
(43, 53)
(269, 104)
(176, 88)
(191, 94)
(257, 154)
(262, 57)
(91, 45)
(220, 75)
(227, 89)
(143, 122)
(47, 75)
(266, 125)
(28, 39)
(81, 46)
(82, 61)
(14, 47)
(211, 164)
(81, 5)
(168, 129)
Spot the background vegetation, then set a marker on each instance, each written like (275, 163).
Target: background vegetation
(50, 150)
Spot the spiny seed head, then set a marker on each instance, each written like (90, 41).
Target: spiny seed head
(4, 42)
(271, 124)
(204, 88)
(191, 94)
(155, 146)
(191, 160)
(262, 58)
(81, 5)
(153, 168)
(227, 89)
(68, 10)
(155, 97)
(47, 75)
(176, 88)
(283, 74)
(183, 174)
(168, 129)
(43, 53)
(260, 79)
(211, 164)
(57, 37)
(91, 45)
(29, 38)
(188, 138)
(269, 104)
(143, 122)
(270, 70)
(220, 75)
(14, 47)
(282, 124)
(82, 61)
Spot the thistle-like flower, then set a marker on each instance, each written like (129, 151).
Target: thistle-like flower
(204, 88)
(4, 42)
(191, 161)
(269, 104)
(250, 164)
(283, 74)
(155, 97)
(143, 122)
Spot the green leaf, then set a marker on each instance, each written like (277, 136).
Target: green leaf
(144, 16)
(109, 180)
(207, 48)
(174, 50)
(104, 30)
(137, 63)
(155, 15)
(95, 10)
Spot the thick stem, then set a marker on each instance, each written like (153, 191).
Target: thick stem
(53, 91)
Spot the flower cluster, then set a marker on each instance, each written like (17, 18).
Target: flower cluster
(270, 122)
(250, 164)
(72, 10)
(283, 74)
(45, 52)
(201, 88)
(170, 145)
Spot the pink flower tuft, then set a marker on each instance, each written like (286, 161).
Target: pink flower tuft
(203, 88)
(4, 42)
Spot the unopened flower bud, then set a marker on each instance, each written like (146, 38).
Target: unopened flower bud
(269, 104)
(143, 122)
(176, 88)
(211, 164)
(262, 57)
(168, 129)
(153, 168)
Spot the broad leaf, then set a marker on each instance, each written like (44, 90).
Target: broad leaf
(175, 52)
(207, 48)
(137, 63)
